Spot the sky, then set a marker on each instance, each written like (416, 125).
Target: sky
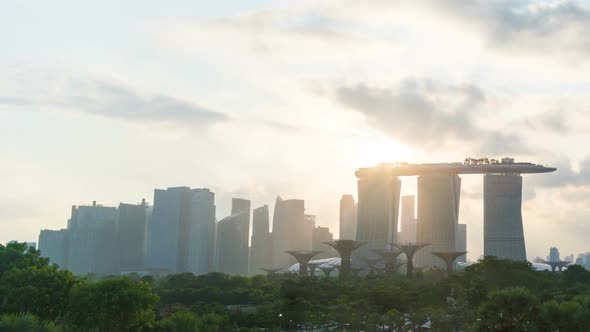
(107, 100)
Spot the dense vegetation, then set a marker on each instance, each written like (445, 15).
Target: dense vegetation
(493, 295)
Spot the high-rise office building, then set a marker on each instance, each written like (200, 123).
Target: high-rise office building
(378, 206)
(201, 232)
(438, 217)
(288, 222)
(242, 206)
(54, 245)
(462, 241)
(181, 230)
(348, 218)
(92, 235)
(553, 255)
(306, 234)
(132, 225)
(230, 247)
(261, 244)
(320, 236)
(167, 230)
(407, 233)
(503, 230)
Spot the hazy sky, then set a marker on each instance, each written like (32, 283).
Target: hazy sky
(107, 100)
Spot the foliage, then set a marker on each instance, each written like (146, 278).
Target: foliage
(42, 291)
(25, 322)
(511, 309)
(492, 295)
(116, 304)
(185, 321)
(19, 256)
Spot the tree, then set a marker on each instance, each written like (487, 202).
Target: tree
(25, 322)
(576, 274)
(42, 291)
(116, 304)
(19, 256)
(184, 321)
(566, 316)
(512, 309)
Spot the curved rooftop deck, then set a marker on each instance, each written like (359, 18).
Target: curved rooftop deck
(405, 169)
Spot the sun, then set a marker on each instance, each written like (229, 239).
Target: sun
(381, 149)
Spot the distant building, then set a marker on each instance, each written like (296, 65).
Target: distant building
(378, 206)
(503, 230)
(348, 218)
(242, 206)
(287, 230)
(553, 255)
(92, 235)
(54, 245)
(321, 235)
(261, 244)
(167, 235)
(230, 248)
(438, 216)
(132, 222)
(462, 242)
(306, 234)
(408, 220)
(201, 232)
(182, 224)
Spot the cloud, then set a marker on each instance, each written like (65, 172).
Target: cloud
(427, 114)
(119, 102)
(561, 26)
(566, 175)
(555, 121)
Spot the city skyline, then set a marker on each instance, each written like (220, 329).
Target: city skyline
(182, 232)
(106, 101)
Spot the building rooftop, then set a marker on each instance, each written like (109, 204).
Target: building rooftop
(469, 166)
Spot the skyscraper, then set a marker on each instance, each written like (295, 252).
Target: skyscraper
(378, 206)
(230, 246)
(54, 245)
(167, 247)
(201, 232)
(261, 244)
(462, 241)
(348, 218)
(306, 234)
(288, 222)
(131, 235)
(408, 220)
(242, 207)
(438, 216)
(181, 230)
(503, 230)
(92, 233)
(320, 236)
(553, 255)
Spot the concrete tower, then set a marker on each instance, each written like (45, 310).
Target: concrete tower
(438, 216)
(261, 244)
(132, 222)
(201, 232)
(408, 220)
(378, 206)
(288, 230)
(348, 218)
(503, 231)
(462, 241)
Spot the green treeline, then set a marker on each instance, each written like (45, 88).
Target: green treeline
(493, 295)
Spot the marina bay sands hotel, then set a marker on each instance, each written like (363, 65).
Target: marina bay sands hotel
(439, 187)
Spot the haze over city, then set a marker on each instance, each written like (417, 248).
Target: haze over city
(106, 101)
